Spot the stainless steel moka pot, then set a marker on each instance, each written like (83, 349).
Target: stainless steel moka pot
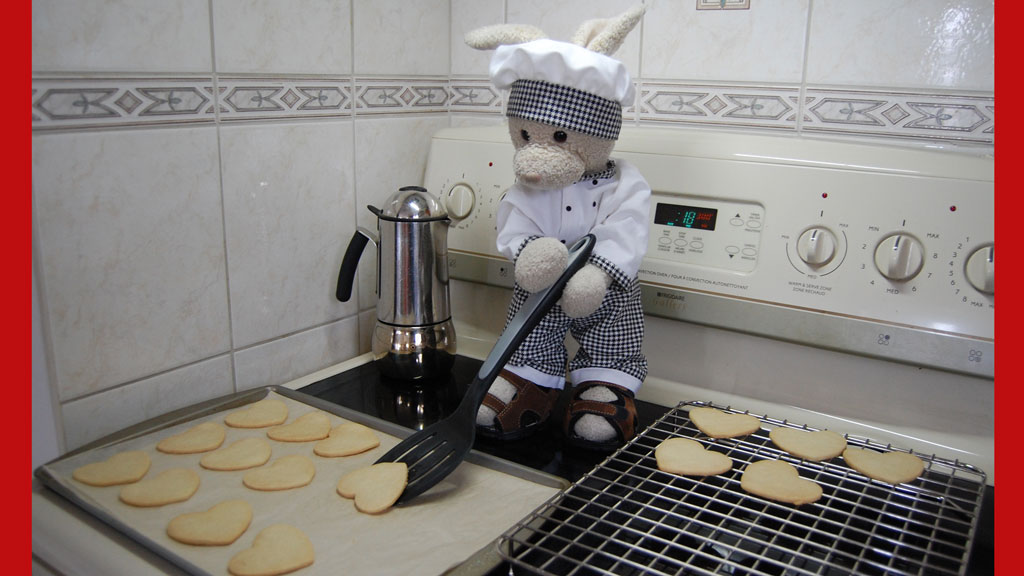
(414, 338)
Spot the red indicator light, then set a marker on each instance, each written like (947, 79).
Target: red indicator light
(824, 194)
(490, 163)
(952, 208)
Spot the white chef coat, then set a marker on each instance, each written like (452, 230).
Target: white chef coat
(615, 209)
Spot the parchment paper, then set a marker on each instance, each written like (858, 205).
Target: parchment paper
(429, 535)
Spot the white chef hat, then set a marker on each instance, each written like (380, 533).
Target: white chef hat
(564, 85)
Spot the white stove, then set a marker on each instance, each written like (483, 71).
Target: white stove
(836, 284)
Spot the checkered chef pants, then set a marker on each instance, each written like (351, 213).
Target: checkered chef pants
(610, 338)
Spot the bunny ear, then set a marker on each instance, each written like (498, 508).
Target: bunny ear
(586, 32)
(490, 37)
(604, 36)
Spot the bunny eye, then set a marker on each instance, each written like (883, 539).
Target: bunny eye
(560, 136)
(525, 135)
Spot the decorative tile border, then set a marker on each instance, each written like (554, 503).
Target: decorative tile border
(401, 95)
(710, 105)
(103, 102)
(246, 98)
(90, 103)
(933, 116)
(906, 115)
(475, 95)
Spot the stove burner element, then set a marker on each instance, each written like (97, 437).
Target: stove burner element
(628, 517)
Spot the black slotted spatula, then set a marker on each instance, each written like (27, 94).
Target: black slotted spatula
(434, 452)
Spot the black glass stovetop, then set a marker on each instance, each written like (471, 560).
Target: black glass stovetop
(417, 404)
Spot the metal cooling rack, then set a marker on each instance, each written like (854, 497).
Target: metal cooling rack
(628, 517)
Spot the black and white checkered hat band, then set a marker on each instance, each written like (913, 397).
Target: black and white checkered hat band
(565, 107)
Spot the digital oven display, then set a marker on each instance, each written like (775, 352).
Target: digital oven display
(685, 216)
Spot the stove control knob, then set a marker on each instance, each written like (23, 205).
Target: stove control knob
(981, 269)
(899, 257)
(460, 201)
(816, 246)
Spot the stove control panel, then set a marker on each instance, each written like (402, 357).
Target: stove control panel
(705, 232)
(882, 251)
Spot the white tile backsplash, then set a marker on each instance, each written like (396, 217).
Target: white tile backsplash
(185, 148)
(367, 322)
(131, 253)
(95, 416)
(401, 37)
(763, 44)
(274, 37)
(390, 154)
(468, 15)
(288, 201)
(111, 35)
(288, 358)
(941, 44)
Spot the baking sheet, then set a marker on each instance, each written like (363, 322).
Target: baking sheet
(430, 535)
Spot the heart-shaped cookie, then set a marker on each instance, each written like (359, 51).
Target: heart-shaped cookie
(218, 526)
(266, 412)
(167, 487)
(240, 455)
(277, 549)
(285, 473)
(308, 427)
(121, 468)
(813, 445)
(891, 467)
(199, 438)
(345, 440)
(689, 458)
(375, 488)
(718, 424)
(779, 481)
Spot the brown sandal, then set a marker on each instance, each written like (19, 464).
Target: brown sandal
(621, 414)
(525, 413)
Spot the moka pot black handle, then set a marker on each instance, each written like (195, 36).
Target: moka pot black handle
(350, 263)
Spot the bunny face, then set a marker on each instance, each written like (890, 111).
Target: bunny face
(549, 157)
(565, 98)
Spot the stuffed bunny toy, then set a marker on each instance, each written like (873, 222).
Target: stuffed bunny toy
(564, 113)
